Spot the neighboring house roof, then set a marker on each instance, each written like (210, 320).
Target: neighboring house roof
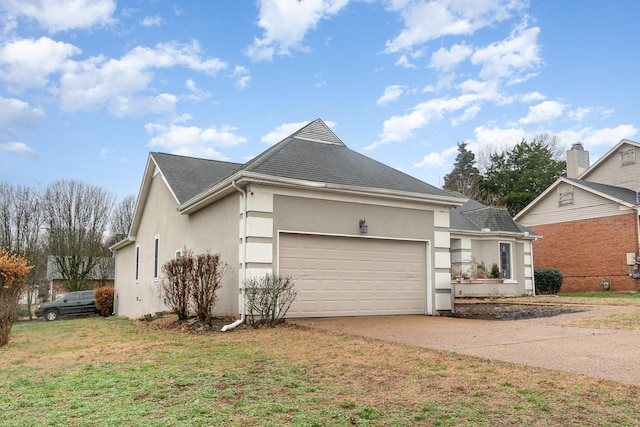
(608, 154)
(623, 196)
(312, 157)
(104, 269)
(473, 216)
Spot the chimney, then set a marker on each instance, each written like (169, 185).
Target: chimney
(577, 160)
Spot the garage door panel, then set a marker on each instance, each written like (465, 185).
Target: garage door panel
(341, 276)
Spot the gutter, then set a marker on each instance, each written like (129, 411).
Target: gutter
(243, 304)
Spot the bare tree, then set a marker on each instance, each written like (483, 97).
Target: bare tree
(21, 222)
(121, 219)
(77, 215)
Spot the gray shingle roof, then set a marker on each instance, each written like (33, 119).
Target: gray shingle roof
(619, 193)
(314, 153)
(189, 176)
(474, 216)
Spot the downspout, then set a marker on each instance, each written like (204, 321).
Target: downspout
(244, 260)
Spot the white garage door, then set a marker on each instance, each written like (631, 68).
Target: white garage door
(344, 276)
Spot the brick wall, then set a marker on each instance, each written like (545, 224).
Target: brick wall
(589, 251)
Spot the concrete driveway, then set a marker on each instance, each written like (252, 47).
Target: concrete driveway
(611, 354)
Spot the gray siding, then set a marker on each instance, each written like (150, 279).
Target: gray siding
(586, 205)
(612, 172)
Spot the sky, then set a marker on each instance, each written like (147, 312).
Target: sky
(89, 87)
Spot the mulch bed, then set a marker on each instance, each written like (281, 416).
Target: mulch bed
(500, 311)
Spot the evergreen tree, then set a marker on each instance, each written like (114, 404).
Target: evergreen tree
(465, 177)
(517, 176)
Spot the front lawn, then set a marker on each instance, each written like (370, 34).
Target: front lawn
(96, 371)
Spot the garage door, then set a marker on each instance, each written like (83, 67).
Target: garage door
(344, 276)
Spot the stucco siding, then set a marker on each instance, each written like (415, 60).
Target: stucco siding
(612, 172)
(586, 205)
(214, 228)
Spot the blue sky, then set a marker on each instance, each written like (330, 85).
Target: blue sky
(89, 87)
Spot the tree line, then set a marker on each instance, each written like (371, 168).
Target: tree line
(72, 221)
(509, 177)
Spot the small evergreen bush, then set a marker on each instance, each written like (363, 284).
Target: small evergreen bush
(495, 271)
(104, 300)
(548, 281)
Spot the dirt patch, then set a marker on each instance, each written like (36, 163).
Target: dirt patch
(498, 311)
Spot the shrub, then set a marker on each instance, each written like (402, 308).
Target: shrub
(495, 271)
(548, 281)
(178, 278)
(269, 298)
(104, 300)
(13, 273)
(192, 282)
(208, 270)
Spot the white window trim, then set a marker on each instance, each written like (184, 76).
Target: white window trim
(511, 261)
(156, 258)
(565, 195)
(178, 253)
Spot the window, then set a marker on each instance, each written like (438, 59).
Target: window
(505, 260)
(156, 257)
(137, 263)
(178, 253)
(565, 195)
(627, 156)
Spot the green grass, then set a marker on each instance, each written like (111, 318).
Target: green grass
(603, 294)
(103, 372)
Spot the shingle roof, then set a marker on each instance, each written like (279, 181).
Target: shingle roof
(189, 176)
(474, 216)
(313, 153)
(619, 193)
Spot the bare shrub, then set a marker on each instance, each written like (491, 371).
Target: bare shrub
(104, 300)
(207, 277)
(13, 273)
(177, 283)
(269, 298)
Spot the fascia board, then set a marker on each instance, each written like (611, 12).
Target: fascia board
(492, 234)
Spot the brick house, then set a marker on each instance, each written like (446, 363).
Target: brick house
(589, 221)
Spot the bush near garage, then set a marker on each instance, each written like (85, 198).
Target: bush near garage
(269, 298)
(104, 300)
(548, 281)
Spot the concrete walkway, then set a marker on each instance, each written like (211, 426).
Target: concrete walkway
(611, 354)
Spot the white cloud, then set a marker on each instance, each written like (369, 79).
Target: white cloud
(403, 61)
(469, 114)
(428, 20)
(29, 63)
(117, 83)
(197, 94)
(241, 74)
(514, 58)
(194, 141)
(430, 160)
(18, 147)
(446, 59)
(285, 24)
(15, 113)
(152, 21)
(62, 15)
(607, 137)
(533, 96)
(501, 137)
(391, 93)
(579, 114)
(543, 112)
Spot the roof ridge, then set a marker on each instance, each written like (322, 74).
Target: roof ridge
(318, 131)
(195, 158)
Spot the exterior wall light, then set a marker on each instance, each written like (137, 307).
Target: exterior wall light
(364, 227)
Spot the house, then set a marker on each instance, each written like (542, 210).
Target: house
(484, 236)
(356, 236)
(102, 274)
(589, 221)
